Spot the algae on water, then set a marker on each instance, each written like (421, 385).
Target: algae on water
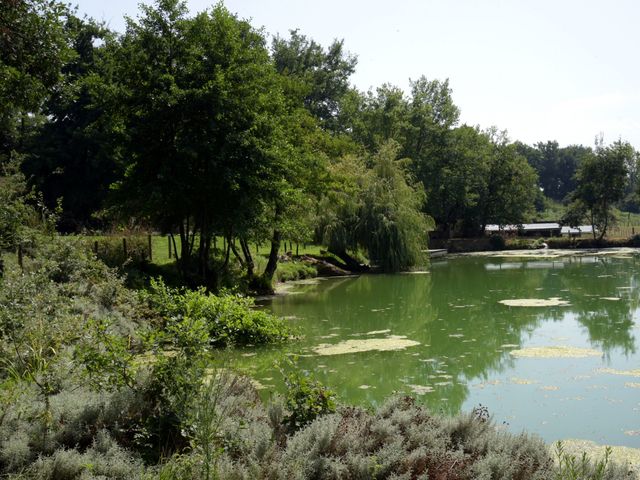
(556, 352)
(535, 302)
(626, 373)
(393, 342)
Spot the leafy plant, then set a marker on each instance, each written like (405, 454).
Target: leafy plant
(230, 318)
(571, 467)
(306, 398)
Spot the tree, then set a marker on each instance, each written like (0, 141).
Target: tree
(320, 76)
(378, 209)
(511, 185)
(74, 156)
(33, 48)
(201, 104)
(601, 181)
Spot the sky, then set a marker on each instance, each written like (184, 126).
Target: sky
(563, 70)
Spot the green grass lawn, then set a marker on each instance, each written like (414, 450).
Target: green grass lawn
(161, 248)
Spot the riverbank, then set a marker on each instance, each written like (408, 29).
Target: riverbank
(498, 243)
(545, 253)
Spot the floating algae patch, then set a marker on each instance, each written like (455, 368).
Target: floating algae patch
(626, 373)
(621, 455)
(393, 342)
(632, 385)
(555, 352)
(535, 302)
(378, 332)
(549, 388)
(522, 381)
(420, 389)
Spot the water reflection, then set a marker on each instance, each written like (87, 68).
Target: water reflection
(465, 335)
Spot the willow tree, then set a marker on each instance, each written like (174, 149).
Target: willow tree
(392, 227)
(379, 210)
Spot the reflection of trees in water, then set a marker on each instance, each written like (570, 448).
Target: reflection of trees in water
(454, 313)
(609, 323)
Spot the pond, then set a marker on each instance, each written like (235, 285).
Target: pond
(565, 366)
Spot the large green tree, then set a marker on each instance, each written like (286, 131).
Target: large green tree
(73, 157)
(601, 181)
(33, 48)
(374, 204)
(320, 75)
(201, 103)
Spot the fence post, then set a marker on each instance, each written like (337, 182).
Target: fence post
(169, 245)
(124, 248)
(150, 248)
(20, 258)
(95, 247)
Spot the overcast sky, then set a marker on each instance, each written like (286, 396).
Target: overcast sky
(562, 70)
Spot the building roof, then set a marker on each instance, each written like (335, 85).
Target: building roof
(577, 230)
(527, 227)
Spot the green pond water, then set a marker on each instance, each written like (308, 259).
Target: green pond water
(465, 338)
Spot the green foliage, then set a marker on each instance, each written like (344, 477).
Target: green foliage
(74, 156)
(227, 318)
(306, 398)
(569, 467)
(392, 227)
(379, 210)
(22, 214)
(34, 48)
(200, 102)
(601, 178)
(320, 77)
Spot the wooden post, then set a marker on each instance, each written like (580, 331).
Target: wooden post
(150, 248)
(297, 245)
(124, 248)
(95, 247)
(256, 248)
(215, 243)
(20, 258)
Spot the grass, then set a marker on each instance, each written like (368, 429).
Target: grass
(160, 248)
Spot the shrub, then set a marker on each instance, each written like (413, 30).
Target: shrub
(230, 318)
(635, 241)
(497, 242)
(306, 397)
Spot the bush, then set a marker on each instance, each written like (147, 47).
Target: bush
(306, 397)
(497, 242)
(230, 318)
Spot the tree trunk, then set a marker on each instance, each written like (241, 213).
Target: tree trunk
(272, 264)
(351, 263)
(247, 256)
(234, 249)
